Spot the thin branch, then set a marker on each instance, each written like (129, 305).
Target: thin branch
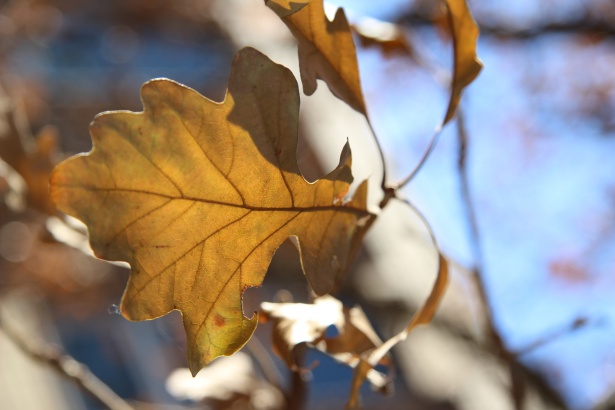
(424, 315)
(383, 183)
(442, 77)
(265, 362)
(66, 366)
(466, 66)
(417, 168)
(518, 390)
(572, 327)
(296, 397)
(462, 168)
(584, 24)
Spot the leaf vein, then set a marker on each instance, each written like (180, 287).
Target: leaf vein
(157, 275)
(240, 264)
(134, 221)
(196, 141)
(337, 208)
(151, 161)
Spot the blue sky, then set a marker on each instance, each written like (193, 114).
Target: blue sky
(542, 174)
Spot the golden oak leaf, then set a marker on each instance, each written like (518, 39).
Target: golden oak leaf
(197, 196)
(466, 63)
(326, 50)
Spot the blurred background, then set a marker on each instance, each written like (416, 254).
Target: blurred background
(520, 194)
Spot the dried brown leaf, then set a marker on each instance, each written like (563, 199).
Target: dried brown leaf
(13, 189)
(299, 324)
(467, 65)
(326, 51)
(423, 316)
(32, 158)
(197, 196)
(389, 37)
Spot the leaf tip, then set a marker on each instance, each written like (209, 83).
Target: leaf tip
(284, 8)
(202, 350)
(346, 155)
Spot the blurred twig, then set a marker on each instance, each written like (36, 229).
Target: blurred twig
(517, 387)
(518, 377)
(66, 366)
(432, 145)
(262, 357)
(584, 23)
(577, 324)
(581, 26)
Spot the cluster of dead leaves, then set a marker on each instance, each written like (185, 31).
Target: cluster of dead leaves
(40, 252)
(197, 196)
(27, 161)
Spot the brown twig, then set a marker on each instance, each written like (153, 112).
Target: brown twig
(383, 182)
(265, 362)
(518, 374)
(66, 366)
(517, 386)
(297, 394)
(432, 144)
(584, 24)
(575, 325)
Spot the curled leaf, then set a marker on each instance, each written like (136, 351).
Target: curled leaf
(296, 325)
(422, 316)
(467, 65)
(197, 196)
(326, 51)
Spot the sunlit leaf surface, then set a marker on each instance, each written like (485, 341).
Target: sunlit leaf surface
(198, 195)
(326, 51)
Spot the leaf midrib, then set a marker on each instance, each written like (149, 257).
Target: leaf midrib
(339, 208)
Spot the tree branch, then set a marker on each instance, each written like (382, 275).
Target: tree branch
(584, 24)
(516, 369)
(66, 366)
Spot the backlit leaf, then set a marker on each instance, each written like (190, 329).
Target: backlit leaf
(197, 196)
(300, 324)
(466, 67)
(326, 51)
(466, 63)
